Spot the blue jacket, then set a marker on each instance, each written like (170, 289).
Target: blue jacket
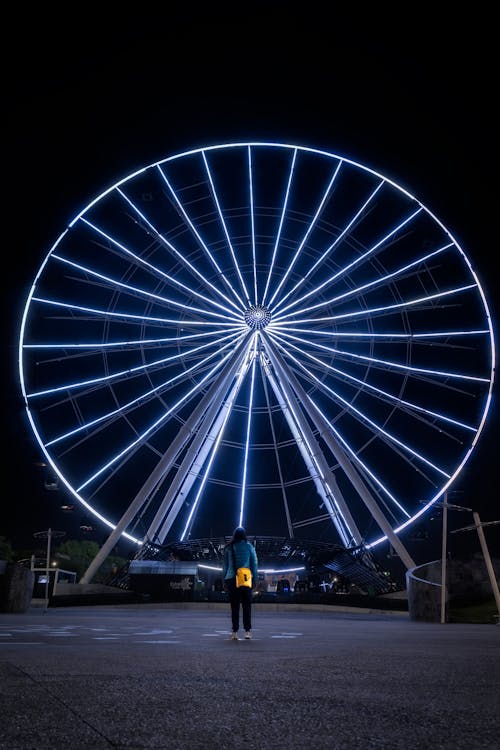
(245, 556)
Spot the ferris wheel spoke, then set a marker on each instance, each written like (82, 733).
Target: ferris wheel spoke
(282, 212)
(328, 252)
(220, 214)
(367, 313)
(129, 288)
(438, 374)
(395, 398)
(377, 429)
(380, 244)
(370, 285)
(309, 229)
(139, 401)
(196, 233)
(220, 344)
(159, 273)
(207, 284)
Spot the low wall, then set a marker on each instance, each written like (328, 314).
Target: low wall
(70, 594)
(423, 586)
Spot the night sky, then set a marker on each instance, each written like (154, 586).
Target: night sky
(89, 101)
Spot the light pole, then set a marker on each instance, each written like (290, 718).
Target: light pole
(478, 526)
(48, 535)
(443, 558)
(445, 505)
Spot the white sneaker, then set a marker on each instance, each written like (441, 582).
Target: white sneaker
(248, 635)
(234, 637)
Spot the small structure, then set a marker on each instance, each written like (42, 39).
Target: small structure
(164, 580)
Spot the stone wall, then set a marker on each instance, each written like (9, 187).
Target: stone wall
(423, 585)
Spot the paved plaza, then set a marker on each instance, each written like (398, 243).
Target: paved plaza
(130, 677)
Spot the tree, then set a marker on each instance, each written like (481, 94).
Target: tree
(6, 551)
(79, 554)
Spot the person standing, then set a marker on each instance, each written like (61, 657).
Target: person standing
(245, 556)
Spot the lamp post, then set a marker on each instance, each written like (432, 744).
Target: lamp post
(48, 535)
(478, 526)
(443, 558)
(445, 505)
(487, 560)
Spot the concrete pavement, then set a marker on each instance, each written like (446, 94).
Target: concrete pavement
(131, 677)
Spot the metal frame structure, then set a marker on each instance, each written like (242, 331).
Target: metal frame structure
(261, 334)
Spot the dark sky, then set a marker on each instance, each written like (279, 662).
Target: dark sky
(89, 101)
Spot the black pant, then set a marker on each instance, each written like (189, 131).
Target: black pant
(240, 596)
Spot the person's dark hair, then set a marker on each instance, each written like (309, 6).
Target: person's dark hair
(239, 534)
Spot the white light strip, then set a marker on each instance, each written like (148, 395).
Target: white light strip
(139, 399)
(282, 218)
(182, 258)
(351, 265)
(371, 335)
(252, 223)
(155, 270)
(224, 341)
(286, 338)
(364, 287)
(240, 378)
(199, 238)
(126, 342)
(378, 430)
(264, 571)
(390, 363)
(291, 264)
(129, 316)
(224, 226)
(155, 424)
(144, 292)
(329, 250)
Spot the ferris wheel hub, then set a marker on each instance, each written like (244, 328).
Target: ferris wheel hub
(257, 317)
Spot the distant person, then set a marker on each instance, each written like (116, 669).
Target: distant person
(245, 556)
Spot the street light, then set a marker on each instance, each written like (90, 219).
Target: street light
(445, 505)
(478, 526)
(48, 535)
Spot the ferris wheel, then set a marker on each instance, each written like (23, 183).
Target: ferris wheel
(262, 334)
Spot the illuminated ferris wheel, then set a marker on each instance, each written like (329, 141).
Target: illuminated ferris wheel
(261, 334)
